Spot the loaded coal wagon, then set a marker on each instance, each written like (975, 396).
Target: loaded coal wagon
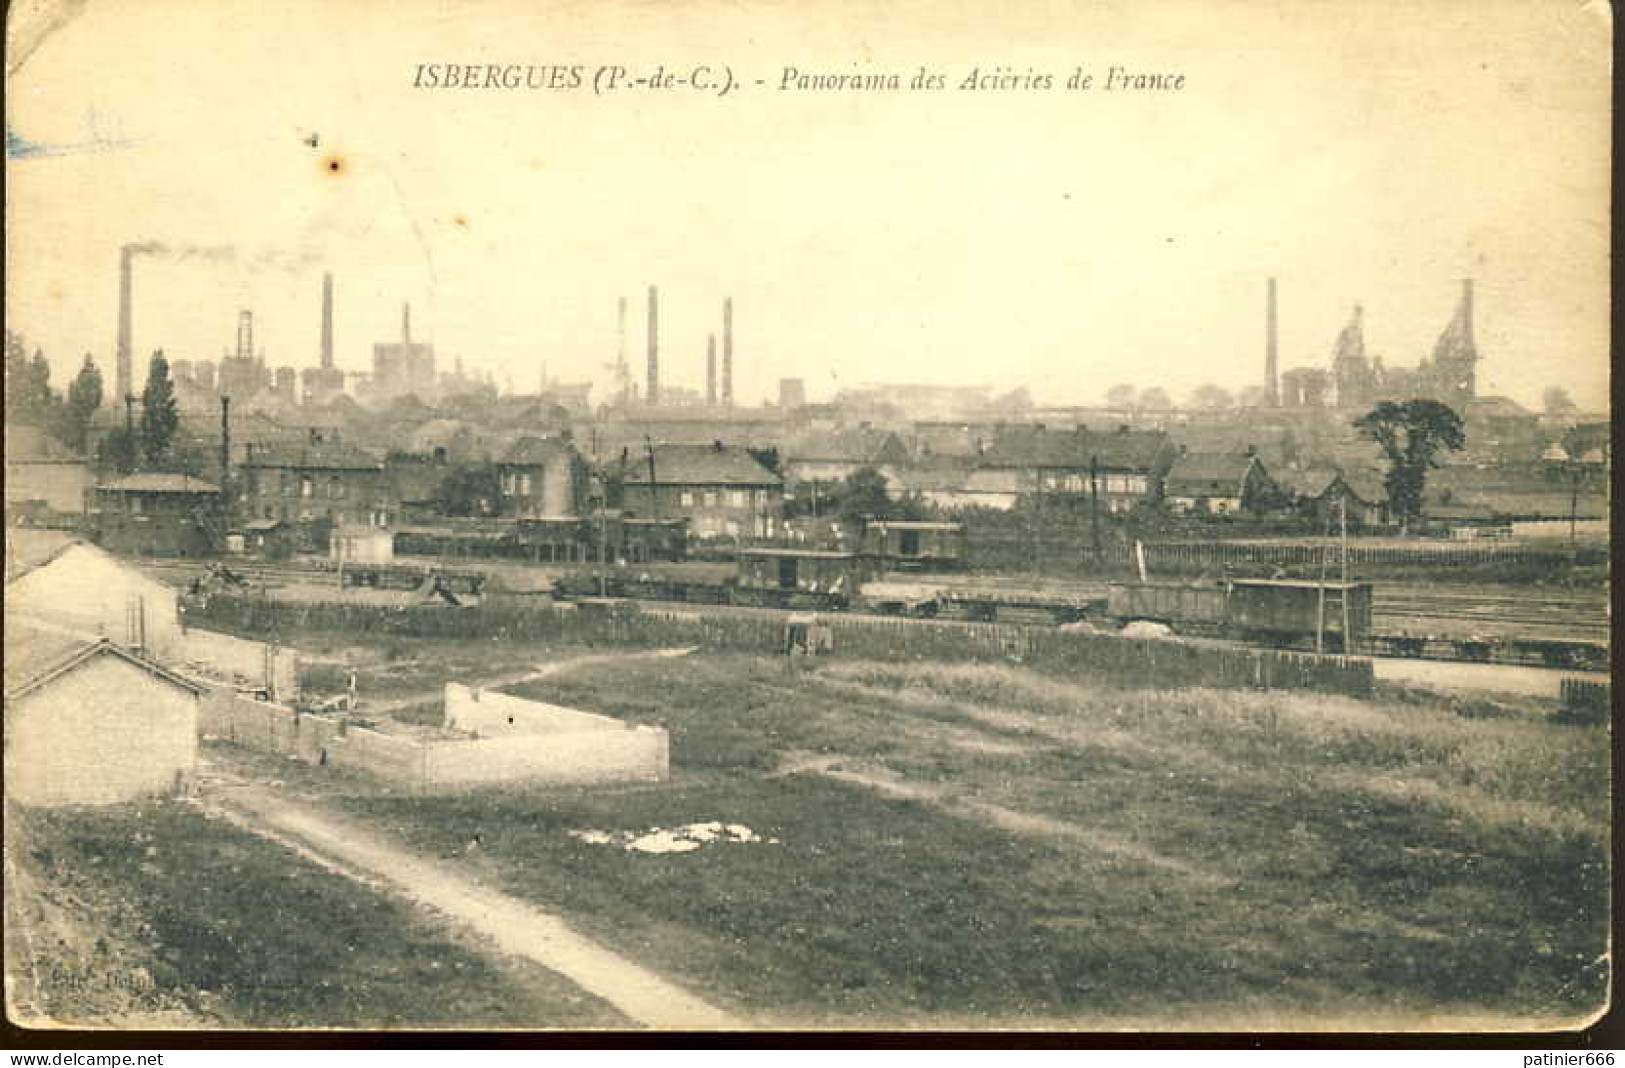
(1275, 611)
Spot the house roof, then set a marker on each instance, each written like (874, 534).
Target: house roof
(319, 455)
(1199, 468)
(1132, 450)
(27, 549)
(699, 465)
(158, 482)
(858, 445)
(35, 656)
(535, 450)
(1309, 482)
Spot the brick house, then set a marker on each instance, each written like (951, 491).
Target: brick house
(320, 480)
(1128, 464)
(542, 477)
(723, 491)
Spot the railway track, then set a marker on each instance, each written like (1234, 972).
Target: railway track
(1569, 629)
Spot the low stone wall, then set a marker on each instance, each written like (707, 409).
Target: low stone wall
(603, 753)
(250, 664)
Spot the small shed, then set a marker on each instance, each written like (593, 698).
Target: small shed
(88, 722)
(362, 545)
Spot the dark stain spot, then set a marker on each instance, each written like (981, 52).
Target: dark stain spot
(313, 140)
(460, 221)
(333, 165)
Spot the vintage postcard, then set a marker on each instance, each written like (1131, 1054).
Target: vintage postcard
(711, 516)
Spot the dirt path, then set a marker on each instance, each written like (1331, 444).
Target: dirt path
(515, 926)
(540, 671)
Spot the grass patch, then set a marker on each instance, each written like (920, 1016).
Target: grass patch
(239, 931)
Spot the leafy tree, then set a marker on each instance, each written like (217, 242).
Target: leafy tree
(1211, 396)
(159, 416)
(84, 397)
(1121, 396)
(119, 451)
(1558, 402)
(1411, 434)
(29, 398)
(1156, 397)
(470, 490)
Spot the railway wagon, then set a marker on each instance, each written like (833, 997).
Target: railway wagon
(916, 546)
(1278, 611)
(776, 577)
(1283, 609)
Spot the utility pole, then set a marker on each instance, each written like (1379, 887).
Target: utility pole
(1038, 521)
(225, 456)
(603, 536)
(1574, 501)
(654, 498)
(1320, 606)
(1094, 505)
(1343, 514)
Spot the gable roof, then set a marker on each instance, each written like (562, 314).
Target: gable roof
(34, 657)
(28, 549)
(158, 482)
(699, 465)
(861, 445)
(324, 455)
(1198, 469)
(1132, 450)
(536, 450)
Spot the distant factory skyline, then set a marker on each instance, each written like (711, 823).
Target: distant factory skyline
(951, 239)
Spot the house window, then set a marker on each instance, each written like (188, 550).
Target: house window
(287, 484)
(524, 485)
(710, 498)
(737, 499)
(1074, 483)
(687, 497)
(307, 486)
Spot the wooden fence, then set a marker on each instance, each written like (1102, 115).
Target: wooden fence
(1586, 701)
(1127, 661)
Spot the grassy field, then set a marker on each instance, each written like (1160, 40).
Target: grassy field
(962, 845)
(159, 915)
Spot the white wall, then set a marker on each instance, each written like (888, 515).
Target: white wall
(493, 715)
(106, 731)
(86, 589)
(636, 754)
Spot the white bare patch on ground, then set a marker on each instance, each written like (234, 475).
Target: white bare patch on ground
(889, 784)
(513, 926)
(684, 839)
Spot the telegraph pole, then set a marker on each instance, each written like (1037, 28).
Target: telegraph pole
(129, 431)
(1094, 505)
(654, 498)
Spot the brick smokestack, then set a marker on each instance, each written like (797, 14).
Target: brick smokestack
(711, 370)
(1272, 380)
(245, 334)
(727, 352)
(1467, 309)
(651, 394)
(327, 320)
(406, 325)
(122, 349)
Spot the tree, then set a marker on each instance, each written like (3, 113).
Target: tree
(1156, 398)
(1411, 434)
(159, 416)
(1558, 402)
(28, 385)
(84, 397)
(1121, 396)
(1211, 396)
(470, 490)
(119, 451)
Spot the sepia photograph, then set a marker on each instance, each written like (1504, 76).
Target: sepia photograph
(714, 516)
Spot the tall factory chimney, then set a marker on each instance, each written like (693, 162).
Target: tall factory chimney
(711, 370)
(1467, 310)
(327, 320)
(651, 394)
(1272, 380)
(727, 352)
(245, 334)
(125, 380)
(406, 325)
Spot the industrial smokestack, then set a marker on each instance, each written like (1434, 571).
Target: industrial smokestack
(245, 334)
(327, 319)
(122, 349)
(727, 352)
(1272, 385)
(711, 370)
(652, 392)
(406, 325)
(1467, 309)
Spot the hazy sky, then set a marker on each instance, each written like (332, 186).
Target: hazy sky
(1374, 152)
